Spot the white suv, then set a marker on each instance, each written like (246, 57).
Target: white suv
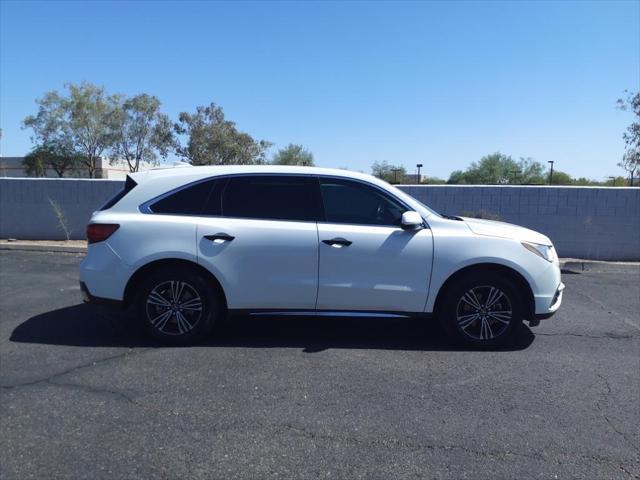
(186, 246)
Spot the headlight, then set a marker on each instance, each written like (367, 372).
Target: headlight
(545, 251)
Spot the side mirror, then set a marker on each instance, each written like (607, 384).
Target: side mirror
(411, 221)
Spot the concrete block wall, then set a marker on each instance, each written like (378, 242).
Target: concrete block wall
(583, 222)
(26, 213)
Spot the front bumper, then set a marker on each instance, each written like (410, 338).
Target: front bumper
(554, 304)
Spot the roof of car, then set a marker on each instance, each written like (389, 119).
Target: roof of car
(161, 180)
(205, 171)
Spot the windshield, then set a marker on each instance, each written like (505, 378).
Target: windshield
(429, 209)
(421, 207)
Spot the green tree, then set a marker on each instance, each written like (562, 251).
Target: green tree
(387, 172)
(141, 131)
(531, 172)
(213, 140)
(618, 181)
(491, 169)
(497, 168)
(583, 181)
(561, 178)
(82, 120)
(434, 181)
(293, 155)
(456, 178)
(631, 158)
(34, 165)
(50, 156)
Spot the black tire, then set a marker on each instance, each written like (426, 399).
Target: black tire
(481, 309)
(178, 306)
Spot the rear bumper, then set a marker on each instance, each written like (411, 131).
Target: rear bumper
(104, 273)
(88, 298)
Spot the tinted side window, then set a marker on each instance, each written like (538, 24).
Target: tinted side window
(355, 203)
(187, 201)
(272, 197)
(212, 205)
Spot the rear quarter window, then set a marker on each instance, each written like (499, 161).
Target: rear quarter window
(129, 185)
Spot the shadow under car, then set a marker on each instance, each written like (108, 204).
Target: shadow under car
(87, 325)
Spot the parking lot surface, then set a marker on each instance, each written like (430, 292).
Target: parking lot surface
(86, 395)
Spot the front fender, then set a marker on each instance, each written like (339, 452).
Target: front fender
(453, 254)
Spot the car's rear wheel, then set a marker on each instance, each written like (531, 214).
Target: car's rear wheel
(481, 309)
(178, 306)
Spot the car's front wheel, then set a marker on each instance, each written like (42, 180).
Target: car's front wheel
(481, 309)
(178, 306)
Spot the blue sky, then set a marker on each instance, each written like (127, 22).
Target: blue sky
(438, 83)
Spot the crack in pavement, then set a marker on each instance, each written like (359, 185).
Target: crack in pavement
(93, 389)
(162, 414)
(367, 442)
(389, 442)
(500, 455)
(94, 363)
(605, 399)
(604, 307)
(612, 336)
(157, 413)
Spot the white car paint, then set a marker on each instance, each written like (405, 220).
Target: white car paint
(457, 247)
(275, 264)
(385, 268)
(269, 264)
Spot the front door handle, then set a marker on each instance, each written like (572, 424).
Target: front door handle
(219, 237)
(337, 242)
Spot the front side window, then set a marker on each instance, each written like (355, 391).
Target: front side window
(351, 202)
(271, 197)
(190, 200)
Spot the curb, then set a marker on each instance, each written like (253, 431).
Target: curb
(580, 266)
(25, 247)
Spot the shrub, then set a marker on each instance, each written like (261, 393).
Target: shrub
(63, 223)
(482, 214)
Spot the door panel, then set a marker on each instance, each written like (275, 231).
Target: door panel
(267, 263)
(384, 268)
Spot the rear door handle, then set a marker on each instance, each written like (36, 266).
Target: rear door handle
(219, 237)
(337, 242)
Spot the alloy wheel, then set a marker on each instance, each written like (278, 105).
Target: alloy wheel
(174, 307)
(484, 312)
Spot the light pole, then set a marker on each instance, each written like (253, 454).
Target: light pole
(515, 175)
(419, 167)
(395, 174)
(551, 172)
(613, 180)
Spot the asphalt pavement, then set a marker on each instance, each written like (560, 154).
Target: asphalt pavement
(85, 394)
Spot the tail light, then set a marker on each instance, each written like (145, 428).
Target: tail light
(99, 232)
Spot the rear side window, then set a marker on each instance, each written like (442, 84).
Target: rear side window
(129, 184)
(190, 200)
(355, 203)
(272, 197)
